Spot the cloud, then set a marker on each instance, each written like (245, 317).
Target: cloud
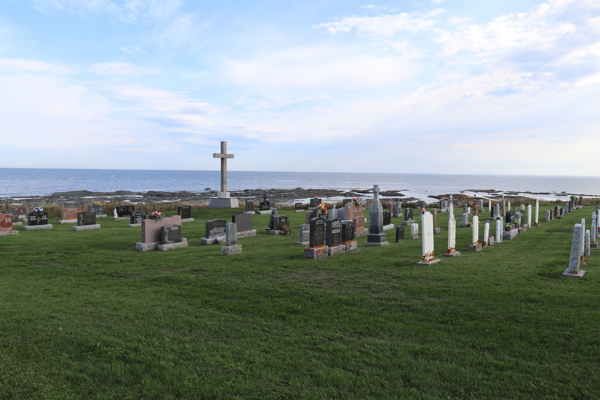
(133, 50)
(113, 68)
(21, 65)
(75, 6)
(384, 25)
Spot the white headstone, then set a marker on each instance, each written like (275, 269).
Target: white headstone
(451, 235)
(486, 233)
(582, 238)
(537, 212)
(575, 258)
(587, 243)
(489, 205)
(427, 248)
(465, 218)
(499, 231)
(230, 234)
(475, 236)
(529, 208)
(414, 230)
(593, 231)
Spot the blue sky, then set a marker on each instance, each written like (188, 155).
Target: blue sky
(482, 87)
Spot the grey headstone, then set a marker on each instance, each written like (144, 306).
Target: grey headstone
(214, 228)
(170, 234)
(231, 233)
(334, 232)
(400, 234)
(86, 218)
(136, 217)
(185, 212)
(243, 222)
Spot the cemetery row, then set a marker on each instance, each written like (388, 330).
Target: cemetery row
(325, 232)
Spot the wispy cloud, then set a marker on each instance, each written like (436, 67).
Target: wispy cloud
(114, 68)
(133, 50)
(21, 65)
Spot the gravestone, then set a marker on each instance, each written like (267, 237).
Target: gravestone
(400, 233)
(6, 226)
(317, 232)
(314, 202)
(69, 215)
(347, 231)
(588, 236)
(387, 218)
(243, 224)
(421, 204)
(547, 215)
(170, 234)
(37, 218)
(475, 245)
(14, 215)
(436, 229)
(150, 234)
(215, 228)
(124, 211)
(231, 247)
(223, 199)
(414, 231)
(98, 210)
(427, 245)
(452, 239)
(185, 212)
(486, 234)
(304, 235)
(280, 222)
(376, 235)
(346, 201)
(573, 270)
(499, 231)
(407, 214)
(264, 207)
(86, 221)
(333, 235)
(249, 206)
(136, 218)
(298, 207)
(464, 220)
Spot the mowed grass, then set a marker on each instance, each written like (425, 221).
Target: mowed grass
(83, 315)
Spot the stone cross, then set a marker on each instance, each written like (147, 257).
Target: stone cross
(223, 156)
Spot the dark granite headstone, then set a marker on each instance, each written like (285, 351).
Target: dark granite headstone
(264, 206)
(170, 234)
(13, 213)
(347, 231)
(214, 228)
(281, 221)
(400, 234)
(317, 232)
(98, 210)
(242, 221)
(249, 205)
(387, 218)
(334, 232)
(125, 211)
(346, 201)
(308, 215)
(510, 215)
(37, 218)
(315, 201)
(185, 212)
(86, 218)
(421, 204)
(408, 214)
(298, 206)
(136, 217)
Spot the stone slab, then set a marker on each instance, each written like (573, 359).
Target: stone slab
(332, 251)
(437, 231)
(388, 227)
(231, 250)
(146, 246)
(244, 234)
(475, 247)
(316, 252)
(17, 223)
(9, 233)
(120, 218)
(298, 210)
(101, 215)
(510, 235)
(351, 246)
(465, 225)
(213, 240)
(86, 228)
(579, 275)
(594, 245)
(265, 212)
(188, 220)
(274, 232)
(69, 221)
(453, 254)
(134, 225)
(361, 233)
(437, 260)
(37, 227)
(172, 246)
(223, 202)
(408, 223)
(303, 243)
(377, 244)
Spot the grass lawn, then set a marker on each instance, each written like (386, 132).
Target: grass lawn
(83, 315)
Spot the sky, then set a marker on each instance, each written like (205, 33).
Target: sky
(432, 86)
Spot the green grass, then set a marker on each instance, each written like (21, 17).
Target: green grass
(83, 315)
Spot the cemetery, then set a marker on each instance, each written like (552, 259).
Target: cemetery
(466, 300)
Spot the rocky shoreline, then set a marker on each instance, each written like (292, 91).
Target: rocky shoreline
(277, 196)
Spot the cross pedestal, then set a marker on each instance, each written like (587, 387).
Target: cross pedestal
(223, 200)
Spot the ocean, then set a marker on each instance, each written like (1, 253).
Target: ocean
(15, 182)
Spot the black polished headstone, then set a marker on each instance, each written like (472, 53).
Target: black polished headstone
(317, 232)
(242, 221)
(333, 232)
(400, 234)
(347, 231)
(387, 218)
(346, 201)
(125, 211)
(185, 212)
(136, 217)
(315, 201)
(170, 234)
(86, 218)
(265, 206)
(298, 206)
(37, 218)
(214, 228)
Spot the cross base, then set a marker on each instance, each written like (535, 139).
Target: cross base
(223, 202)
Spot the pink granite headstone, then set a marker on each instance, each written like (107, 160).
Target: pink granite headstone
(6, 222)
(67, 214)
(359, 223)
(150, 231)
(21, 210)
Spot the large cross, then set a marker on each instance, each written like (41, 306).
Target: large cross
(223, 156)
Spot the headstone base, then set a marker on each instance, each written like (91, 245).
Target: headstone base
(465, 225)
(351, 246)
(249, 212)
(265, 212)
(475, 247)
(388, 227)
(594, 245)
(407, 223)
(244, 234)
(298, 210)
(510, 235)
(17, 223)
(9, 233)
(36, 227)
(116, 219)
(22, 216)
(376, 239)
(231, 250)
(67, 221)
(453, 253)
(303, 243)
(537, 224)
(223, 202)
(188, 220)
(101, 215)
(580, 274)
(332, 251)
(361, 233)
(140, 246)
(86, 228)
(435, 260)
(316, 252)
(171, 246)
(275, 232)
(212, 240)
(134, 225)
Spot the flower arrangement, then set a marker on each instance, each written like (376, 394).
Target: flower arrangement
(38, 209)
(508, 226)
(356, 201)
(322, 206)
(422, 210)
(96, 203)
(156, 215)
